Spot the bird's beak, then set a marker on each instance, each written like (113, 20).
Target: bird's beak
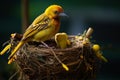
(63, 14)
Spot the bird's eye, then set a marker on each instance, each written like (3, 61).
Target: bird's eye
(56, 12)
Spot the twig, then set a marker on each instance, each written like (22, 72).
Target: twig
(89, 32)
(63, 65)
(52, 52)
(11, 78)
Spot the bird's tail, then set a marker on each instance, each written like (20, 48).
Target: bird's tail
(20, 44)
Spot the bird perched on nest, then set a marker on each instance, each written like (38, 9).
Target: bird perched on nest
(43, 27)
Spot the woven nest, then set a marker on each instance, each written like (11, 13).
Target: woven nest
(35, 61)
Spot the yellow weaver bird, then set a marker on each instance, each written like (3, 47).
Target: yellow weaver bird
(43, 27)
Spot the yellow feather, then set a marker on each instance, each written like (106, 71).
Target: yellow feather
(11, 60)
(65, 67)
(16, 49)
(5, 49)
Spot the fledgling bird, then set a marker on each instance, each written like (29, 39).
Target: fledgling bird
(43, 27)
(62, 40)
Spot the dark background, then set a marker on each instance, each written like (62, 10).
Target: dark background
(102, 15)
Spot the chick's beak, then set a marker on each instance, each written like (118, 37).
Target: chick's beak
(63, 14)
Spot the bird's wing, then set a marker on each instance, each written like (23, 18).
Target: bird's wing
(40, 23)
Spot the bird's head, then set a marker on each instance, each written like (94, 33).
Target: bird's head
(55, 11)
(61, 37)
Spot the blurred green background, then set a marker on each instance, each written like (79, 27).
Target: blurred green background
(102, 15)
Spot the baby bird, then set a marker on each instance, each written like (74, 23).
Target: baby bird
(62, 40)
